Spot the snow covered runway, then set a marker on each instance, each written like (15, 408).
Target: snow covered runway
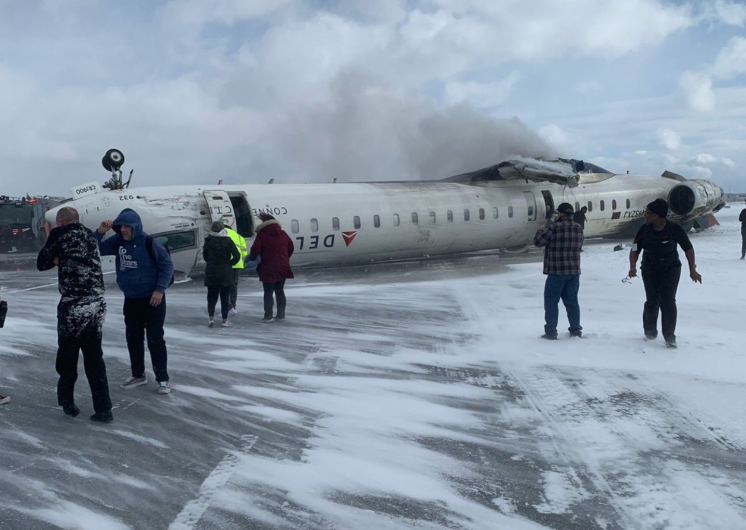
(395, 396)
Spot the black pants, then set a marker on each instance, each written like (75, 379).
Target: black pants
(660, 291)
(234, 289)
(140, 318)
(224, 292)
(93, 361)
(277, 289)
(743, 242)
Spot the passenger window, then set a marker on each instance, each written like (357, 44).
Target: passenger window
(590, 206)
(466, 214)
(510, 211)
(356, 222)
(449, 214)
(294, 226)
(613, 204)
(601, 206)
(376, 221)
(396, 219)
(481, 214)
(335, 223)
(628, 204)
(494, 212)
(415, 218)
(314, 225)
(176, 240)
(531, 211)
(432, 218)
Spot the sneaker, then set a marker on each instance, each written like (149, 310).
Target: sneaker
(132, 382)
(280, 317)
(267, 320)
(651, 335)
(4, 400)
(548, 336)
(225, 324)
(164, 387)
(104, 416)
(211, 323)
(71, 410)
(576, 333)
(671, 343)
(232, 312)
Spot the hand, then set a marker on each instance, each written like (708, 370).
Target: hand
(695, 276)
(56, 261)
(156, 298)
(632, 272)
(105, 226)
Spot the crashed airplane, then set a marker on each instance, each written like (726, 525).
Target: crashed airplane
(499, 207)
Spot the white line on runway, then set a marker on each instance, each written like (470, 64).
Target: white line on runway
(195, 509)
(43, 286)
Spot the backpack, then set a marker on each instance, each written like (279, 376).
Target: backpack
(149, 248)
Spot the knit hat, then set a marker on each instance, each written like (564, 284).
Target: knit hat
(565, 207)
(216, 227)
(659, 207)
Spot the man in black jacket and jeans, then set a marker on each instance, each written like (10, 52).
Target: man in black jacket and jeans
(81, 311)
(661, 269)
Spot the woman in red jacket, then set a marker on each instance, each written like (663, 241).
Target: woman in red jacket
(275, 247)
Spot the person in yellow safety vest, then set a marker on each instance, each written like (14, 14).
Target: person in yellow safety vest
(240, 243)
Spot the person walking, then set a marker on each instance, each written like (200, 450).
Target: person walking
(579, 217)
(240, 243)
(742, 218)
(144, 272)
(80, 313)
(275, 248)
(661, 269)
(220, 255)
(3, 312)
(562, 241)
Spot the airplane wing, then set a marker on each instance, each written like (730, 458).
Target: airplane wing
(558, 171)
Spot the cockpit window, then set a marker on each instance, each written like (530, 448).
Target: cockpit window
(177, 240)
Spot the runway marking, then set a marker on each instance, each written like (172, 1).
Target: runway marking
(196, 508)
(44, 286)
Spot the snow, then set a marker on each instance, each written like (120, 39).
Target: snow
(396, 396)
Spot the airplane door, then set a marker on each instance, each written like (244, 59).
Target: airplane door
(548, 203)
(221, 208)
(530, 205)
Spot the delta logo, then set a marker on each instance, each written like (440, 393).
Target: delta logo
(348, 237)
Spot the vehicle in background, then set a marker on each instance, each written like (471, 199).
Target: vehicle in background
(23, 226)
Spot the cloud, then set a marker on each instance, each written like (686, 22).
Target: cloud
(483, 95)
(669, 139)
(731, 61)
(731, 13)
(696, 88)
(705, 159)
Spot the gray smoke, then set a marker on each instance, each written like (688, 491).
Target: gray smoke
(365, 132)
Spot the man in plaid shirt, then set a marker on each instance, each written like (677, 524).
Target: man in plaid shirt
(563, 241)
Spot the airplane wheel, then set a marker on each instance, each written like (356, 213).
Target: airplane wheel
(113, 160)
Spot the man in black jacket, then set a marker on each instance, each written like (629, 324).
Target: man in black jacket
(81, 311)
(579, 217)
(742, 218)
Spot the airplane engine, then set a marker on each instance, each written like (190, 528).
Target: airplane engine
(694, 198)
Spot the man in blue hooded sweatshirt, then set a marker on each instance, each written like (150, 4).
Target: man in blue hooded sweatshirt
(143, 275)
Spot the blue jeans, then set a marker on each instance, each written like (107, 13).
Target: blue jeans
(565, 287)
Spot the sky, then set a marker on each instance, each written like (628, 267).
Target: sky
(197, 91)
